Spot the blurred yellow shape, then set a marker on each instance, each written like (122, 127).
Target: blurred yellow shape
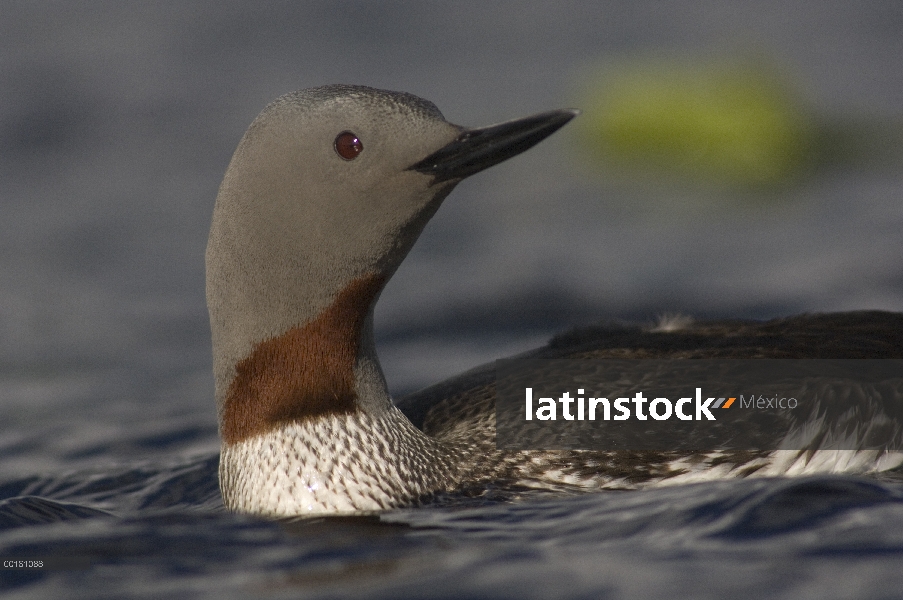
(726, 123)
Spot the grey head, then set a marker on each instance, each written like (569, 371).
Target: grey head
(325, 195)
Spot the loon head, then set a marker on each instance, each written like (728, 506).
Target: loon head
(325, 195)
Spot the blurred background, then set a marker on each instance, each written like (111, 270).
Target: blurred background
(734, 159)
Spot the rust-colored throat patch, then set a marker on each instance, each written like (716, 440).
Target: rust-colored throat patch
(306, 372)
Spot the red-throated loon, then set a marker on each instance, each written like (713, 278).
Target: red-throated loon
(326, 194)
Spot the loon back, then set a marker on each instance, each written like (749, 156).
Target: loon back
(464, 406)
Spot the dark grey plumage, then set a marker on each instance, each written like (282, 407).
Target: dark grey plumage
(463, 408)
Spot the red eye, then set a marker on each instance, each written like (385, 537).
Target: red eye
(347, 145)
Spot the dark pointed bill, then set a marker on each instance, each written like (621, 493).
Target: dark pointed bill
(478, 149)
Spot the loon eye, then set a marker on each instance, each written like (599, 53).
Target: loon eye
(347, 145)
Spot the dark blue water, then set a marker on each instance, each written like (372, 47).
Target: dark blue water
(163, 534)
(116, 124)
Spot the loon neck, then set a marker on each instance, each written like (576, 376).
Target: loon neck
(327, 366)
